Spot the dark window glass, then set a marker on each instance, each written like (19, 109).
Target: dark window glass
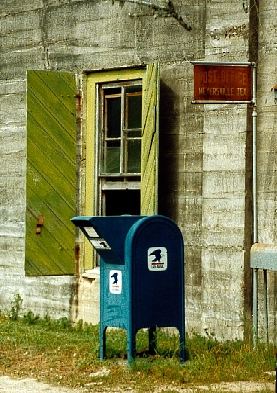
(133, 111)
(120, 202)
(113, 108)
(112, 159)
(133, 163)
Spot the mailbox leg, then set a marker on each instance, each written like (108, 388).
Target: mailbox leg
(152, 334)
(103, 342)
(131, 346)
(182, 344)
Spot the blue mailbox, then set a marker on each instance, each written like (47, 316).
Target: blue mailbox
(141, 275)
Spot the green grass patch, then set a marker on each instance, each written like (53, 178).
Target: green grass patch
(58, 352)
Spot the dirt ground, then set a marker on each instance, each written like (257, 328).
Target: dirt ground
(28, 385)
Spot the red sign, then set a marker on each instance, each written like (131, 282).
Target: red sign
(222, 83)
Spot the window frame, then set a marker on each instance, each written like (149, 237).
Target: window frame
(125, 131)
(93, 80)
(150, 76)
(92, 143)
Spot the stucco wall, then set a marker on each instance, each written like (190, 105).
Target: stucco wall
(205, 151)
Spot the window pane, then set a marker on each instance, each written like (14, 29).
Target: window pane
(122, 202)
(133, 89)
(109, 91)
(134, 111)
(113, 122)
(133, 133)
(112, 164)
(133, 164)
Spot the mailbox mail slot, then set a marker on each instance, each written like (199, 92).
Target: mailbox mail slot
(141, 275)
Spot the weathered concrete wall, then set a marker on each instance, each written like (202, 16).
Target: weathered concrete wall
(267, 153)
(223, 182)
(74, 36)
(205, 150)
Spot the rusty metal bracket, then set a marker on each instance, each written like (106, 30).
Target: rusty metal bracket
(40, 223)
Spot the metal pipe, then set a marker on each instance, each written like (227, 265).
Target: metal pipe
(254, 159)
(266, 306)
(254, 196)
(255, 217)
(255, 306)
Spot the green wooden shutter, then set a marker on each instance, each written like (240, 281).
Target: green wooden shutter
(51, 173)
(150, 139)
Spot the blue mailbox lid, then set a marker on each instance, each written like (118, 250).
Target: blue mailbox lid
(107, 234)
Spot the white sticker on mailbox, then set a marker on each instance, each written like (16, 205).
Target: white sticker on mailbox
(115, 282)
(100, 244)
(157, 259)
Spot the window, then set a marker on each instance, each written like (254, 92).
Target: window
(120, 147)
(121, 128)
(122, 143)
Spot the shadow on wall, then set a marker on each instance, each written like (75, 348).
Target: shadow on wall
(168, 152)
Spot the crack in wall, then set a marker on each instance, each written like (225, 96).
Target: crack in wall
(167, 10)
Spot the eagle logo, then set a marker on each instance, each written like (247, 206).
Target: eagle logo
(157, 259)
(157, 254)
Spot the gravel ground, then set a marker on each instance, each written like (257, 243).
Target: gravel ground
(28, 385)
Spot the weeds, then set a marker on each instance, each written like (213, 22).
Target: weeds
(30, 318)
(16, 304)
(60, 352)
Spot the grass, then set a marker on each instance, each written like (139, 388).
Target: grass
(59, 353)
